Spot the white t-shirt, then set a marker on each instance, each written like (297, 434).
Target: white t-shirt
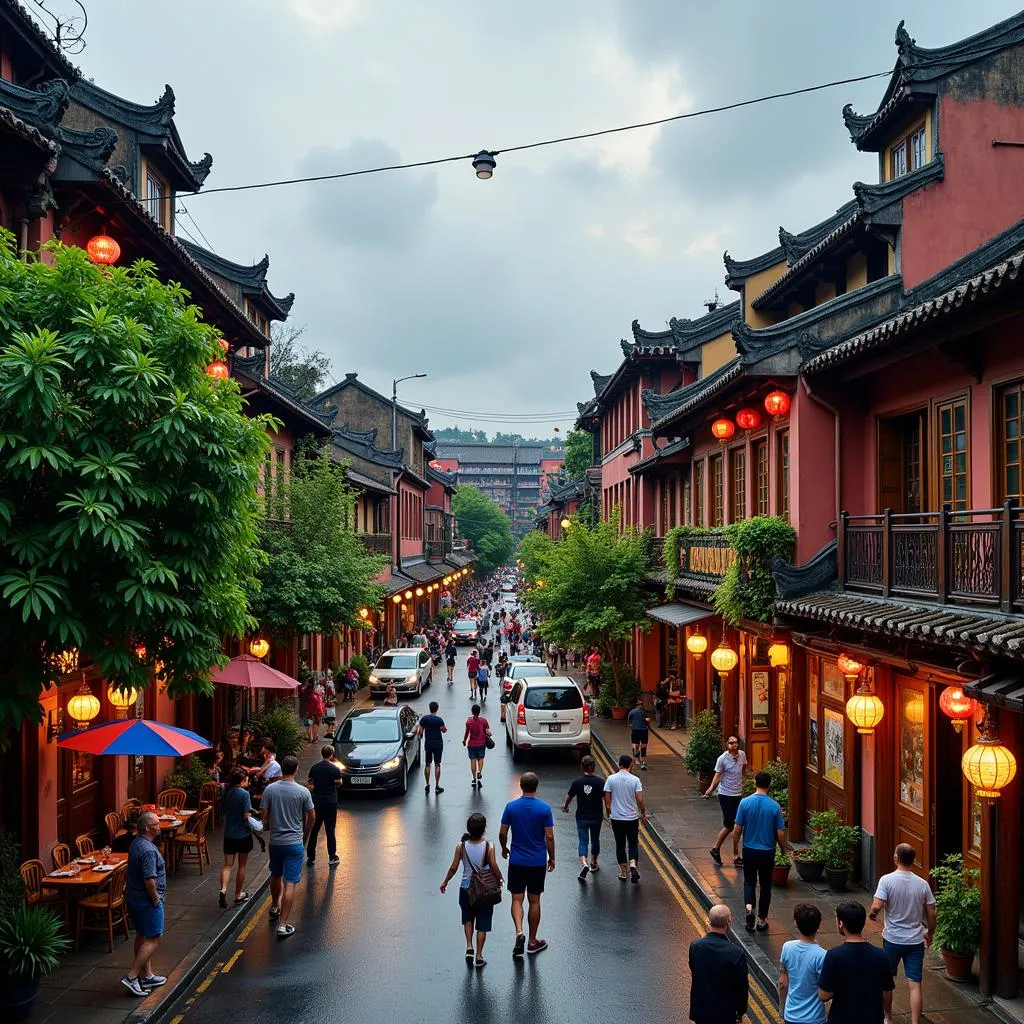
(623, 787)
(731, 782)
(905, 895)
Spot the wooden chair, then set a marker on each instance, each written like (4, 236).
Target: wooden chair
(172, 799)
(209, 796)
(97, 913)
(115, 826)
(190, 843)
(61, 856)
(130, 807)
(32, 874)
(85, 846)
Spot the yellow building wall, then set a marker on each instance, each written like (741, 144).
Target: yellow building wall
(891, 253)
(826, 290)
(901, 135)
(753, 287)
(856, 271)
(716, 353)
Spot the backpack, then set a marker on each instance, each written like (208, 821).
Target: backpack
(484, 887)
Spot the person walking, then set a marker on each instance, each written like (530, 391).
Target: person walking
(531, 857)
(729, 771)
(855, 976)
(483, 679)
(288, 812)
(474, 739)
(235, 808)
(674, 703)
(759, 822)
(451, 654)
(588, 791)
(473, 852)
(472, 667)
(800, 969)
(661, 703)
(593, 667)
(431, 729)
(314, 712)
(624, 802)
(145, 885)
(718, 973)
(639, 731)
(324, 780)
(907, 900)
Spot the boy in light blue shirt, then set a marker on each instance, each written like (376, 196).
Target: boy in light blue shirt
(799, 967)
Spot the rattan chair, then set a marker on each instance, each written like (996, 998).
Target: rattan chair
(190, 843)
(130, 808)
(32, 874)
(97, 913)
(85, 846)
(115, 826)
(61, 856)
(171, 799)
(209, 796)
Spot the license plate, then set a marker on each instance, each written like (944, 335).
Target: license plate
(360, 780)
(555, 727)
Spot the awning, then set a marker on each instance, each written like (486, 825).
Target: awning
(678, 614)
(1005, 691)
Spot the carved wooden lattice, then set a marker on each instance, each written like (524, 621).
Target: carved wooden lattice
(974, 562)
(914, 560)
(864, 556)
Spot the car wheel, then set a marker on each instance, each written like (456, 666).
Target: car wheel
(516, 752)
(508, 739)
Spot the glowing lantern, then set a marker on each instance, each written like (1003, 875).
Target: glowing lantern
(218, 370)
(397, 599)
(778, 655)
(258, 647)
(988, 765)
(954, 703)
(777, 403)
(565, 524)
(447, 581)
(723, 429)
(865, 710)
(419, 591)
(850, 667)
(697, 644)
(122, 699)
(364, 613)
(408, 595)
(748, 419)
(83, 707)
(102, 249)
(724, 659)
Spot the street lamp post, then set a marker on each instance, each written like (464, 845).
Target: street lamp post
(394, 407)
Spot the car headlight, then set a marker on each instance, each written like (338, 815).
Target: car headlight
(412, 678)
(373, 678)
(393, 763)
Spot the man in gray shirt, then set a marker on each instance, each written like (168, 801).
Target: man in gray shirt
(908, 902)
(287, 811)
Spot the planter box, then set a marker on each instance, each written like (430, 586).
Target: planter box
(618, 714)
(837, 878)
(780, 876)
(809, 870)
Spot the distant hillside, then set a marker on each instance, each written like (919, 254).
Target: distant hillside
(456, 435)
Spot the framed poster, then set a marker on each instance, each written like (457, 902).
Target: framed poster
(833, 683)
(759, 699)
(812, 725)
(834, 754)
(912, 750)
(783, 680)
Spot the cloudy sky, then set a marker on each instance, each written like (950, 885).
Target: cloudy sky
(507, 292)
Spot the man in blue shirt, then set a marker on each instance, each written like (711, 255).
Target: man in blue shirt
(759, 822)
(145, 885)
(432, 729)
(531, 856)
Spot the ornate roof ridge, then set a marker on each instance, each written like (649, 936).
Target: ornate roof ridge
(280, 391)
(92, 148)
(370, 452)
(365, 436)
(150, 118)
(798, 245)
(251, 275)
(660, 407)
(29, 133)
(42, 108)
(873, 197)
(600, 380)
(736, 271)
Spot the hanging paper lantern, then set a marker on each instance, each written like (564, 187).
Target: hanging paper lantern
(988, 765)
(723, 429)
(865, 710)
(102, 249)
(83, 707)
(850, 667)
(748, 419)
(724, 659)
(419, 591)
(218, 370)
(258, 647)
(397, 599)
(697, 644)
(364, 613)
(955, 704)
(121, 698)
(778, 654)
(408, 595)
(913, 710)
(777, 403)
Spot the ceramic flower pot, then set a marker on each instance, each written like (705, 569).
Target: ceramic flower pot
(837, 878)
(958, 965)
(780, 876)
(809, 870)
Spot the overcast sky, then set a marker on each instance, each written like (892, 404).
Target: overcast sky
(507, 292)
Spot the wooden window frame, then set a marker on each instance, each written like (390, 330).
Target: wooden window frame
(762, 487)
(700, 486)
(905, 147)
(687, 498)
(935, 435)
(738, 483)
(783, 491)
(158, 209)
(716, 486)
(999, 461)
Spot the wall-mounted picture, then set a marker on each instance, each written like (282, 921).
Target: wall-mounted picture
(834, 754)
(833, 684)
(759, 699)
(783, 691)
(813, 752)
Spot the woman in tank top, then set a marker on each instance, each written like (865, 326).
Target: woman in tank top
(473, 851)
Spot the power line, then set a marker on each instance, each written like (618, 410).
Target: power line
(185, 211)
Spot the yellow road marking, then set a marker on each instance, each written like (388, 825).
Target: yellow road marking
(247, 930)
(231, 963)
(208, 980)
(178, 1019)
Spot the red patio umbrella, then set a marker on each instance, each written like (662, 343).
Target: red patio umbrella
(134, 736)
(253, 674)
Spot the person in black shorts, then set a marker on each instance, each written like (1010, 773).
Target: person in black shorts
(640, 731)
(432, 729)
(588, 790)
(236, 806)
(451, 653)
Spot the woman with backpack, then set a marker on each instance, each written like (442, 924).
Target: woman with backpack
(480, 877)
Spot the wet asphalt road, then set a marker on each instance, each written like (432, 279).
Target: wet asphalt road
(377, 942)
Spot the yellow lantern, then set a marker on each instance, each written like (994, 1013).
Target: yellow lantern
(447, 581)
(724, 659)
(122, 699)
(408, 595)
(419, 591)
(913, 710)
(397, 599)
(778, 654)
(84, 707)
(364, 613)
(565, 524)
(697, 644)
(258, 647)
(988, 765)
(865, 709)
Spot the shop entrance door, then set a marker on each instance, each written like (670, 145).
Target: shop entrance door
(914, 798)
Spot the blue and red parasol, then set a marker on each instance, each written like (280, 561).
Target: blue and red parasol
(136, 736)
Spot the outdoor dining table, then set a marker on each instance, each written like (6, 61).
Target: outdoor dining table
(89, 877)
(169, 827)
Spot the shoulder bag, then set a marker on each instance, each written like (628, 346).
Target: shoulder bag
(484, 887)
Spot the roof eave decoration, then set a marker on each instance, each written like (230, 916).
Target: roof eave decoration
(797, 246)
(871, 198)
(600, 381)
(33, 136)
(737, 271)
(363, 436)
(280, 393)
(369, 452)
(663, 408)
(91, 149)
(42, 108)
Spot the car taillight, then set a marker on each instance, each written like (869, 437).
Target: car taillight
(521, 715)
(586, 713)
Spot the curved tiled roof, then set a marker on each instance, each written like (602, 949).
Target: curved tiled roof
(662, 407)
(600, 381)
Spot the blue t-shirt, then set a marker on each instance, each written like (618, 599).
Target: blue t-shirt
(637, 719)
(235, 806)
(433, 738)
(802, 961)
(144, 861)
(528, 817)
(760, 817)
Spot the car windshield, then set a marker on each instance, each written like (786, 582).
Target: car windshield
(465, 624)
(553, 698)
(368, 729)
(397, 661)
(528, 668)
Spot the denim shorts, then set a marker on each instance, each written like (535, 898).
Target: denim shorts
(476, 753)
(912, 956)
(480, 917)
(432, 755)
(147, 920)
(287, 861)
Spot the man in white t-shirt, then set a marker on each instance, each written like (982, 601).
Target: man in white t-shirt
(624, 804)
(908, 902)
(729, 771)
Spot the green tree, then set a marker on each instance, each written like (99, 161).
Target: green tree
(488, 529)
(128, 480)
(453, 435)
(579, 453)
(303, 369)
(317, 573)
(592, 593)
(534, 550)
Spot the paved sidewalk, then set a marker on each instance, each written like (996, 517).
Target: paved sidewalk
(86, 988)
(685, 825)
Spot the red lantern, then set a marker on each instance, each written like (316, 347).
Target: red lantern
(723, 429)
(103, 249)
(218, 370)
(957, 705)
(777, 403)
(223, 344)
(849, 666)
(748, 419)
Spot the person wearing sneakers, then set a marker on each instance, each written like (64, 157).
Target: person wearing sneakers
(640, 732)
(324, 780)
(729, 770)
(235, 808)
(475, 738)
(531, 857)
(146, 882)
(588, 790)
(472, 667)
(432, 729)
(624, 802)
(287, 810)
(759, 821)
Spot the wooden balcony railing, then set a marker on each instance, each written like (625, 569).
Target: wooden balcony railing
(973, 558)
(436, 550)
(377, 543)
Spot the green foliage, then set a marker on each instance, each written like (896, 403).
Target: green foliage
(128, 480)
(12, 889)
(188, 773)
(670, 552)
(488, 528)
(957, 906)
(31, 941)
(579, 453)
(704, 745)
(627, 694)
(593, 593)
(317, 573)
(748, 588)
(534, 549)
(453, 435)
(303, 369)
(782, 859)
(362, 666)
(779, 788)
(833, 842)
(277, 720)
(445, 616)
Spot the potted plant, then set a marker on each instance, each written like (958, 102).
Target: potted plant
(958, 915)
(808, 864)
(833, 844)
(31, 939)
(703, 748)
(780, 869)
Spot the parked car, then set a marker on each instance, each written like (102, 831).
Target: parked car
(377, 747)
(524, 659)
(409, 668)
(546, 714)
(465, 631)
(522, 670)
